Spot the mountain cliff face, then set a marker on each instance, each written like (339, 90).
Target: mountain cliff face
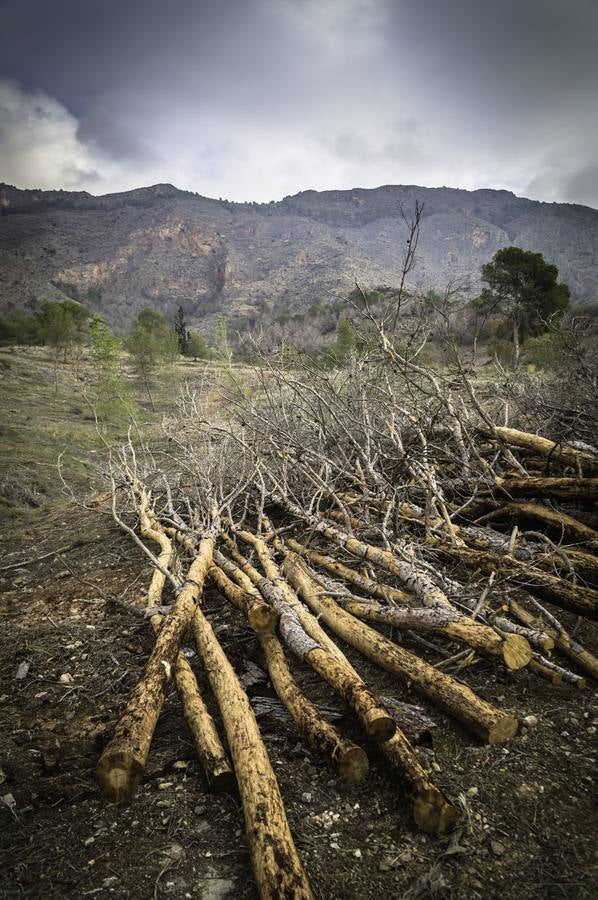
(162, 247)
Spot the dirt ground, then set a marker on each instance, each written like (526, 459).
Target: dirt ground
(528, 815)
(68, 659)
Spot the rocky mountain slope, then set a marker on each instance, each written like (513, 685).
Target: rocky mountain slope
(161, 247)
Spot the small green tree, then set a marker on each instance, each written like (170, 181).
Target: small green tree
(523, 289)
(18, 328)
(196, 346)
(346, 339)
(151, 344)
(221, 338)
(112, 395)
(180, 329)
(63, 325)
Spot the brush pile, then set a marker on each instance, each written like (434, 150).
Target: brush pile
(381, 507)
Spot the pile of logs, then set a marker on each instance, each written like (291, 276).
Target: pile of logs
(378, 510)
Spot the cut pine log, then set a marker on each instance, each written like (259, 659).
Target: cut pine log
(554, 519)
(379, 725)
(276, 865)
(432, 812)
(512, 649)
(123, 761)
(350, 760)
(208, 745)
(558, 488)
(436, 815)
(491, 724)
(548, 449)
(563, 640)
(583, 601)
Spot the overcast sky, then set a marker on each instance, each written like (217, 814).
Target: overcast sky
(256, 99)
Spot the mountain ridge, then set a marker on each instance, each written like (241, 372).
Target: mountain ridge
(163, 247)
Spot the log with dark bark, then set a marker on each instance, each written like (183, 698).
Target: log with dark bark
(557, 488)
(552, 451)
(583, 601)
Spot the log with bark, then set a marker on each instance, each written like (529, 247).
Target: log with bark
(490, 724)
(278, 871)
(377, 722)
(558, 488)
(512, 649)
(349, 759)
(583, 601)
(211, 753)
(430, 808)
(569, 456)
(123, 761)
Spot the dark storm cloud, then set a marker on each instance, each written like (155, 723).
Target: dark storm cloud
(254, 99)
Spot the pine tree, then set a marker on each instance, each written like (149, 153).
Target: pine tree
(180, 329)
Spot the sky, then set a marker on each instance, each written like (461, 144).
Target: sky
(258, 99)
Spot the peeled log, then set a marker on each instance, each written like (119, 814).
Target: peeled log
(491, 724)
(123, 761)
(276, 864)
(350, 760)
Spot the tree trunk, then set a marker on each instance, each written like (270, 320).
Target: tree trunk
(547, 448)
(559, 488)
(583, 601)
(491, 724)
(276, 864)
(432, 812)
(515, 341)
(565, 643)
(513, 649)
(349, 759)
(122, 763)
(560, 522)
(379, 725)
